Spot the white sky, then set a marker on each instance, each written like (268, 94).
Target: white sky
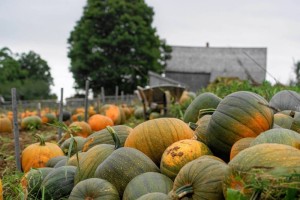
(44, 26)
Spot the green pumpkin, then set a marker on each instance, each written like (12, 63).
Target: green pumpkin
(279, 136)
(120, 167)
(31, 123)
(61, 163)
(92, 159)
(240, 114)
(154, 196)
(201, 129)
(201, 178)
(203, 101)
(66, 145)
(283, 120)
(32, 181)
(53, 161)
(286, 100)
(59, 182)
(147, 183)
(94, 188)
(104, 137)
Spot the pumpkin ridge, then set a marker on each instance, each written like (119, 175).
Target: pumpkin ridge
(151, 148)
(250, 103)
(173, 127)
(247, 113)
(235, 120)
(217, 138)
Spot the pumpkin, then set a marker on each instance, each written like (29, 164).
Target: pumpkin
(146, 183)
(94, 188)
(59, 183)
(152, 137)
(201, 178)
(80, 128)
(65, 146)
(113, 112)
(154, 115)
(122, 165)
(286, 100)
(48, 118)
(5, 124)
(201, 129)
(104, 137)
(53, 161)
(279, 136)
(32, 181)
(37, 155)
(139, 112)
(31, 123)
(180, 153)
(240, 114)
(240, 145)
(75, 159)
(127, 110)
(266, 156)
(77, 117)
(283, 120)
(202, 101)
(93, 157)
(154, 196)
(99, 122)
(62, 162)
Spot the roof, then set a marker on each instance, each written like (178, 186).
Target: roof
(220, 61)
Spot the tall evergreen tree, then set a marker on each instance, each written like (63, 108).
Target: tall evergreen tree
(114, 43)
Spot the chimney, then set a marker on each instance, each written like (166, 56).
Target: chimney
(207, 44)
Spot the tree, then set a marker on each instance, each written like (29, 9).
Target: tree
(114, 43)
(27, 72)
(297, 72)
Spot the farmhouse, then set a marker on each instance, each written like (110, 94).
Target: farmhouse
(196, 67)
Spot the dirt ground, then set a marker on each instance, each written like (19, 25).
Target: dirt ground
(7, 146)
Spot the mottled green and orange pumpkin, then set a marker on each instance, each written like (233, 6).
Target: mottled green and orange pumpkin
(266, 156)
(283, 120)
(179, 154)
(240, 114)
(37, 155)
(79, 128)
(152, 137)
(31, 122)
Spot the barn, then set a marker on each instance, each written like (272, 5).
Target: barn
(196, 67)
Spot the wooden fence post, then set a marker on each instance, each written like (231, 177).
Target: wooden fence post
(60, 118)
(103, 95)
(16, 128)
(86, 101)
(116, 94)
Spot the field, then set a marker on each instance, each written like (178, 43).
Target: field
(11, 177)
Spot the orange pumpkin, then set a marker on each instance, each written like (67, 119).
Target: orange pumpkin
(77, 117)
(80, 128)
(240, 145)
(113, 112)
(99, 122)
(37, 155)
(5, 124)
(152, 137)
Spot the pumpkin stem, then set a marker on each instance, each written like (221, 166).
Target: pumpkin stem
(114, 136)
(206, 111)
(184, 190)
(40, 139)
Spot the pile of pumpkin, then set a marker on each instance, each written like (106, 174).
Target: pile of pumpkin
(229, 142)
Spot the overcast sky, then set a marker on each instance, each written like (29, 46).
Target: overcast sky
(44, 26)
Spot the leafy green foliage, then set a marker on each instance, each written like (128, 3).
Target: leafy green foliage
(223, 87)
(114, 43)
(27, 72)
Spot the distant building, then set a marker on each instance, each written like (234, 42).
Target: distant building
(196, 67)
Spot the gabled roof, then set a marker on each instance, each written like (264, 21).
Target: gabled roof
(219, 61)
